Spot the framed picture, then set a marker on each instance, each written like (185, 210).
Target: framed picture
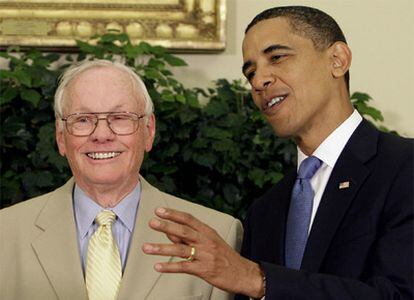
(180, 25)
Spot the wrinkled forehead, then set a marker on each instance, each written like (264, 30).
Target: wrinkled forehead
(101, 80)
(102, 76)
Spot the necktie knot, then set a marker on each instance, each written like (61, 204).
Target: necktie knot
(308, 167)
(105, 217)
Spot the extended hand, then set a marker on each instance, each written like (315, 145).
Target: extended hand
(205, 254)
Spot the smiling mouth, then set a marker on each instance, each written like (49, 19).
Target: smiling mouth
(102, 155)
(274, 101)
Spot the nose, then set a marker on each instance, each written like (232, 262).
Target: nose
(263, 79)
(102, 131)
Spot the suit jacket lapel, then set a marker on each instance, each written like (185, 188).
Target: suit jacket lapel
(56, 247)
(335, 201)
(283, 201)
(269, 222)
(139, 275)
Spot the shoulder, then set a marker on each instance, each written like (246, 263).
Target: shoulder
(206, 215)
(203, 213)
(226, 225)
(26, 212)
(25, 208)
(392, 143)
(394, 153)
(368, 139)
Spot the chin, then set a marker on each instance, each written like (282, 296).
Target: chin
(281, 132)
(105, 179)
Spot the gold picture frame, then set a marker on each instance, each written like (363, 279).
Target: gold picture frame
(179, 25)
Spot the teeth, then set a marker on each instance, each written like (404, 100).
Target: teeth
(103, 155)
(275, 100)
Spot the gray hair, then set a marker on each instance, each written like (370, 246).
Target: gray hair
(75, 70)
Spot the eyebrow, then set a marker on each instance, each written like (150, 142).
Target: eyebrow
(267, 50)
(275, 47)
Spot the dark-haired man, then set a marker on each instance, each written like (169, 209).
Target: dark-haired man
(341, 225)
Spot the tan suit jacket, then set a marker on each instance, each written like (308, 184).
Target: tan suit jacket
(39, 253)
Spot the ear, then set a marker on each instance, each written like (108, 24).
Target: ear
(341, 58)
(60, 139)
(150, 133)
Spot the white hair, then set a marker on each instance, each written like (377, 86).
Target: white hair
(75, 70)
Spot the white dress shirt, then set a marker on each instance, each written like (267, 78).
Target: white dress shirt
(328, 152)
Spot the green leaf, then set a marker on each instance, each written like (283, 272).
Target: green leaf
(174, 61)
(23, 77)
(206, 159)
(152, 74)
(113, 36)
(85, 47)
(257, 176)
(216, 109)
(167, 96)
(8, 95)
(156, 64)
(274, 177)
(192, 100)
(223, 145)
(31, 96)
(144, 47)
(164, 169)
(180, 98)
(217, 133)
(200, 143)
(366, 110)
(158, 50)
(361, 97)
(231, 193)
(132, 51)
(171, 151)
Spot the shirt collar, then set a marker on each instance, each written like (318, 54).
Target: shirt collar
(330, 149)
(86, 209)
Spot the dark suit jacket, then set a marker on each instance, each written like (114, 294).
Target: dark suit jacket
(361, 242)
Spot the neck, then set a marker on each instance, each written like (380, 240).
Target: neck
(310, 139)
(108, 196)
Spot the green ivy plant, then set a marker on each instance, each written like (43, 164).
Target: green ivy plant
(222, 155)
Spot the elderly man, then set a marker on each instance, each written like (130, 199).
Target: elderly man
(339, 227)
(84, 239)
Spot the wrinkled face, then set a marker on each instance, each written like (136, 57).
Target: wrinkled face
(291, 80)
(104, 158)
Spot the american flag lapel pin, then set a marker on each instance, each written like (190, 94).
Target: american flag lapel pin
(344, 185)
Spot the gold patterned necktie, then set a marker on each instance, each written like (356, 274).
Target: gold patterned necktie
(103, 262)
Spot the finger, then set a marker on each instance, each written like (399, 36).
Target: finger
(177, 250)
(183, 232)
(177, 267)
(175, 239)
(180, 218)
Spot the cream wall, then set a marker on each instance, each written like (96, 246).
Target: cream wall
(379, 32)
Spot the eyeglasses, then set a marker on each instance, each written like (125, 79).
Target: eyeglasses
(120, 123)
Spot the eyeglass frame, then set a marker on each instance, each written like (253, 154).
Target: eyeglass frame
(107, 113)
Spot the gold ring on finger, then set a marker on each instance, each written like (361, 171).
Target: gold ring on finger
(192, 254)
